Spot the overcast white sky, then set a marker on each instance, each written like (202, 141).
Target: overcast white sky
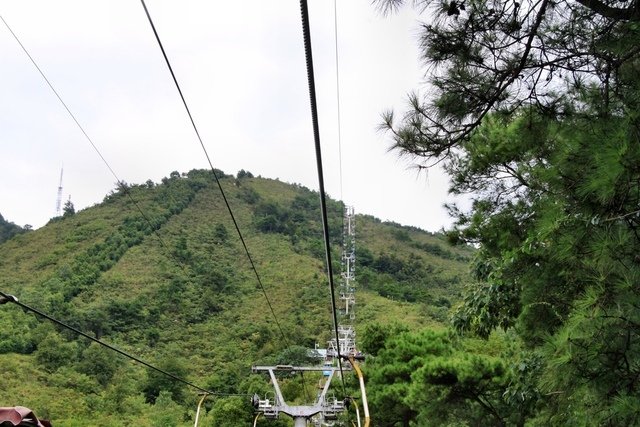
(242, 70)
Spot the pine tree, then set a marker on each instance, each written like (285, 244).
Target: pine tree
(68, 209)
(536, 115)
(491, 55)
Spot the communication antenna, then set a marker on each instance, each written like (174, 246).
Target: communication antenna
(59, 198)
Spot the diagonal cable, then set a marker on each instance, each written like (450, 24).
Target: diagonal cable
(121, 184)
(5, 298)
(144, 215)
(323, 203)
(224, 197)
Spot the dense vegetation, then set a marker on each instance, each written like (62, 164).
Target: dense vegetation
(534, 112)
(9, 229)
(532, 108)
(157, 270)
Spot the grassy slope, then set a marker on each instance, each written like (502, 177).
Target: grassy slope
(240, 331)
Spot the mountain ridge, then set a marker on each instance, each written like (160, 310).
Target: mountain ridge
(175, 281)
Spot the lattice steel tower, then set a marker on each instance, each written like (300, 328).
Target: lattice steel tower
(346, 314)
(59, 198)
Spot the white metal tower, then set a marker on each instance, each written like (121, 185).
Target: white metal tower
(59, 198)
(346, 314)
(327, 407)
(325, 410)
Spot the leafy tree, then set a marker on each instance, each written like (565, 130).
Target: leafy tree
(66, 377)
(94, 319)
(244, 174)
(365, 257)
(166, 412)
(220, 233)
(68, 209)
(536, 114)
(157, 382)
(126, 314)
(124, 384)
(376, 335)
(54, 352)
(225, 380)
(296, 355)
(558, 255)
(9, 229)
(99, 363)
(181, 250)
(388, 264)
(401, 235)
(491, 55)
(431, 378)
(16, 335)
(271, 218)
(249, 195)
(232, 412)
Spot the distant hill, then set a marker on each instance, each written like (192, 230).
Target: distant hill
(158, 270)
(9, 229)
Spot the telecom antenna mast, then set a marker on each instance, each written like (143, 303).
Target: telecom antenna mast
(346, 315)
(59, 198)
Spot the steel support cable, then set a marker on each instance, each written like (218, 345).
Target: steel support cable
(5, 298)
(121, 183)
(224, 197)
(126, 191)
(323, 203)
(339, 122)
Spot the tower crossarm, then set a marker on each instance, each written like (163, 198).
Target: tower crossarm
(301, 411)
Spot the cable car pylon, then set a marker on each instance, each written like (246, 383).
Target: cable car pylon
(325, 410)
(346, 344)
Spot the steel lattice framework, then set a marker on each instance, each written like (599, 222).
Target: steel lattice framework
(324, 410)
(346, 315)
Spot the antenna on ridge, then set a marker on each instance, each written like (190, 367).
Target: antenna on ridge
(59, 198)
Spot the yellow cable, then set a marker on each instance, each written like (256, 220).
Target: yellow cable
(255, 421)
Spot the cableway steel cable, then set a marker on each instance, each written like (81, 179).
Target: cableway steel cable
(224, 197)
(323, 203)
(121, 183)
(10, 298)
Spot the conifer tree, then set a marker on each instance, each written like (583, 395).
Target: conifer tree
(534, 111)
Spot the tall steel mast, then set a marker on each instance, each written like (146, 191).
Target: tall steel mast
(347, 314)
(59, 198)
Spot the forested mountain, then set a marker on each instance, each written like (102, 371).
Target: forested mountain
(157, 270)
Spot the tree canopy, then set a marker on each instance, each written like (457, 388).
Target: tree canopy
(8, 229)
(498, 56)
(533, 109)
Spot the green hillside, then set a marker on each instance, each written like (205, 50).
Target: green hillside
(158, 271)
